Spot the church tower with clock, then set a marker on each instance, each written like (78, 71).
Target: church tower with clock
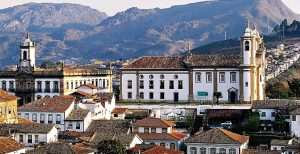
(25, 80)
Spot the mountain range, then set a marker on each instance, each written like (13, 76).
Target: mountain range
(76, 33)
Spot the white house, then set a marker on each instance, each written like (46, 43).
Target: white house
(118, 113)
(48, 110)
(159, 132)
(215, 141)
(11, 146)
(291, 146)
(78, 120)
(195, 77)
(31, 133)
(101, 105)
(295, 122)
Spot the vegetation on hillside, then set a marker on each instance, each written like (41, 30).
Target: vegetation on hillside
(290, 30)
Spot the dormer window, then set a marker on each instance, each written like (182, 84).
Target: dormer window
(247, 46)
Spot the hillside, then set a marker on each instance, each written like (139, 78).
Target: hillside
(134, 32)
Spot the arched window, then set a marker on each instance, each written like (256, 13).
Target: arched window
(38, 97)
(232, 151)
(25, 55)
(77, 125)
(247, 46)
(222, 151)
(198, 77)
(42, 118)
(34, 117)
(162, 144)
(152, 143)
(193, 150)
(172, 146)
(203, 151)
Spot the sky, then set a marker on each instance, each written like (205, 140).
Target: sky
(111, 7)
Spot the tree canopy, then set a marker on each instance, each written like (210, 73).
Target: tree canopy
(111, 147)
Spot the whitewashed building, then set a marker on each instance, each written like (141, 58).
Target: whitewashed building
(295, 122)
(195, 77)
(78, 120)
(48, 110)
(31, 83)
(215, 141)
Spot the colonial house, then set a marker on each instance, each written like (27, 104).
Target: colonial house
(100, 104)
(291, 146)
(78, 120)
(118, 113)
(195, 77)
(159, 132)
(295, 122)
(215, 141)
(11, 146)
(31, 83)
(30, 134)
(8, 108)
(49, 110)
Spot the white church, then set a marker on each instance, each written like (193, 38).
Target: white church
(195, 77)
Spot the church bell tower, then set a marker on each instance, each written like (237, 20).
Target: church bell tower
(27, 56)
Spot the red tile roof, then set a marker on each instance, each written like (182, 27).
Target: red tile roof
(8, 145)
(57, 104)
(119, 110)
(157, 62)
(81, 93)
(158, 136)
(88, 85)
(77, 115)
(220, 60)
(153, 122)
(25, 121)
(161, 150)
(178, 134)
(5, 96)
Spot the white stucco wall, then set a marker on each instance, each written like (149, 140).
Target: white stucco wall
(295, 126)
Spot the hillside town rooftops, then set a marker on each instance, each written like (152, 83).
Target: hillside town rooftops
(5, 96)
(77, 115)
(153, 122)
(218, 136)
(57, 104)
(9, 145)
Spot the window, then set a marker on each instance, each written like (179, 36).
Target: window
(162, 84)
(162, 76)
(171, 84)
(115, 115)
(203, 151)
(68, 85)
(222, 151)
(213, 151)
(162, 95)
(4, 85)
(172, 146)
(24, 55)
(247, 47)
(141, 76)
(151, 95)
(232, 151)
(180, 84)
(129, 84)
(175, 76)
(146, 130)
(50, 118)
(34, 117)
(93, 82)
(151, 76)
(47, 86)
(27, 115)
(36, 138)
(38, 97)
(294, 118)
(42, 118)
(21, 138)
(70, 125)
(246, 84)
(193, 150)
(198, 77)
(58, 119)
(273, 114)
(141, 95)
(72, 85)
(77, 125)
(232, 77)
(260, 78)
(263, 114)
(222, 77)
(129, 95)
(153, 130)
(151, 84)
(164, 130)
(162, 144)
(29, 139)
(209, 77)
(55, 86)
(11, 86)
(141, 84)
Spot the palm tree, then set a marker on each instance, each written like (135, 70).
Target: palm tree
(218, 95)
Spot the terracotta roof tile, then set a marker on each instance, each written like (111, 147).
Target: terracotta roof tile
(77, 115)
(5, 96)
(157, 136)
(178, 134)
(57, 104)
(220, 60)
(81, 93)
(88, 85)
(259, 151)
(8, 145)
(276, 104)
(161, 150)
(157, 62)
(119, 110)
(218, 136)
(26, 128)
(110, 126)
(25, 121)
(153, 122)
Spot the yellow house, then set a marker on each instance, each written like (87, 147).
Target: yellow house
(8, 108)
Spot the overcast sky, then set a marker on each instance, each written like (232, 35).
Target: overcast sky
(113, 6)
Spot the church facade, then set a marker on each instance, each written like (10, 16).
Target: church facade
(30, 83)
(196, 77)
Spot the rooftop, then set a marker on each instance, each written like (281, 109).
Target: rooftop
(157, 62)
(77, 115)
(88, 85)
(8, 145)
(82, 93)
(158, 136)
(5, 96)
(220, 60)
(119, 110)
(276, 104)
(153, 122)
(57, 104)
(162, 150)
(25, 128)
(218, 136)
(109, 126)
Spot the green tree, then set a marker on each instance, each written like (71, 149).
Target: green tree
(218, 95)
(252, 125)
(294, 86)
(280, 122)
(111, 147)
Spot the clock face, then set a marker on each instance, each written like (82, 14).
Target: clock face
(25, 64)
